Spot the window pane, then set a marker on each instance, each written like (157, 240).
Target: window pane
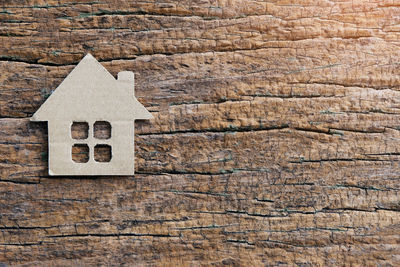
(102, 153)
(80, 153)
(79, 130)
(102, 130)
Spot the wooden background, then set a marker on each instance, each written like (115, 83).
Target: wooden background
(275, 140)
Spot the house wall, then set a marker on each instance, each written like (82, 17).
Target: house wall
(61, 142)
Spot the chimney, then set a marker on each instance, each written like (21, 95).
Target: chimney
(128, 78)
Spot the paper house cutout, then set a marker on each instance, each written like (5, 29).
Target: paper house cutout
(90, 94)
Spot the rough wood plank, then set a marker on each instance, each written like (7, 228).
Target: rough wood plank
(325, 68)
(274, 142)
(195, 218)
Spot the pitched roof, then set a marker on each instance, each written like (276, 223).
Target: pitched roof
(90, 92)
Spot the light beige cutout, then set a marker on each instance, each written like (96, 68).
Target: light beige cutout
(90, 94)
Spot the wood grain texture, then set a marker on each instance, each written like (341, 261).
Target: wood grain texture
(275, 140)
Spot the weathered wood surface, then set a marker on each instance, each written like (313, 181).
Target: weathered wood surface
(275, 140)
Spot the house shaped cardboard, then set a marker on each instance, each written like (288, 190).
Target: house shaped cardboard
(89, 95)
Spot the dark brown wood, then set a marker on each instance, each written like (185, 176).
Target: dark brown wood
(275, 140)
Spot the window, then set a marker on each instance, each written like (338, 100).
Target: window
(102, 152)
(102, 130)
(79, 130)
(80, 153)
